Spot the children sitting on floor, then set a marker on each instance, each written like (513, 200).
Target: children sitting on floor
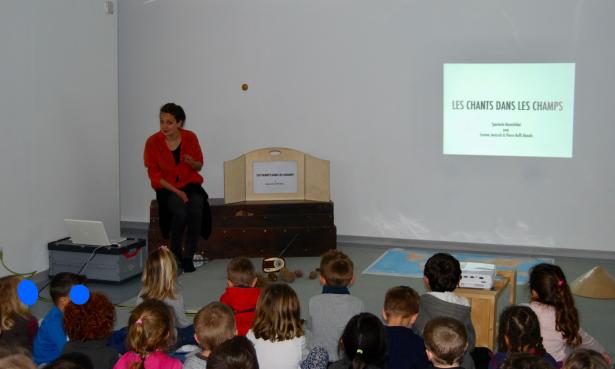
(160, 282)
(364, 344)
(446, 342)
(213, 325)
(88, 326)
(241, 294)
(150, 335)
(330, 311)
(236, 353)
(553, 303)
(406, 349)
(17, 326)
(277, 332)
(441, 275)
(50, 339)
(519, 331)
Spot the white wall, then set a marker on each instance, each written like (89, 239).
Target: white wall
(59, 138)
(359, 82)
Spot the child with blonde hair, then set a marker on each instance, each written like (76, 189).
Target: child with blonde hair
(277, 332)
(17, 326)
(553, 303)
(150, 335)
(213, 325)
(160, 283)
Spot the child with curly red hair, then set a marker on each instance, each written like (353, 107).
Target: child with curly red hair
(88, 326)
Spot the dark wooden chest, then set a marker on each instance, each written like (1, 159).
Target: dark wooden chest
(262, 229)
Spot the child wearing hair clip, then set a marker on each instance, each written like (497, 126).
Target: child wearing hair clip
(150, 335)
(363, 343)
(553, 303)
(160, 282)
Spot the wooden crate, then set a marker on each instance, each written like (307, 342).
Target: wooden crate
(262, 229)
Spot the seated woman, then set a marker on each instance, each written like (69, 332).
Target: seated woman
(173, 158)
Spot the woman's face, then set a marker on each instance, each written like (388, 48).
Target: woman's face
(168, 125)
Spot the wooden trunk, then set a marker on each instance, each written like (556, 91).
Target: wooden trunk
(262, 229)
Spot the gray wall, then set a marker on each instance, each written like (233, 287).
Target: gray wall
(59, 139)
(359, 82)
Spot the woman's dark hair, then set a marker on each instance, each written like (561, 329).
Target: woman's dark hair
(522, 328)
(443, 272)
(364, 341)
(176, 111)
(551, 288)
(235, 353)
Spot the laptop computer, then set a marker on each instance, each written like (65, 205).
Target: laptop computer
(89, 232)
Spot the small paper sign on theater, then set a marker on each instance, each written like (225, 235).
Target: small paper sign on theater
(276, 173)
(275, 176)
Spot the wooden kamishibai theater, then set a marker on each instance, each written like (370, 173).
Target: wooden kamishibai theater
(276, 200)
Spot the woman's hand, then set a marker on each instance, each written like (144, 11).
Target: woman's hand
(195, 165)
(182, 195)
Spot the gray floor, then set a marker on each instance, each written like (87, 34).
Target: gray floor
(208, 282)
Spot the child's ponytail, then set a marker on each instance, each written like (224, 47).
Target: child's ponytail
(566, 314)
(364, 341)
(551, 288)
(150, 330)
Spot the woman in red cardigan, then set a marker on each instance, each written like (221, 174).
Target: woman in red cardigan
(173, 158)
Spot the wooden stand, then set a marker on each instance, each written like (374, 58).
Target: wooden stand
(261, 229)
(484, 306)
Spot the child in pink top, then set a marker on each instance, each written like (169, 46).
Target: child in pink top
(150, 334)
(554, 306)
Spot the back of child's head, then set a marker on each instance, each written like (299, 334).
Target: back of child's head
(364, 341)
(62, 283)
(401, 301)
(549, 286)
(150, 329)
(214, 324)
(278, 314)
(336, 268)
(446, 339)
(11, 306)
(17, 361)
(235, 353)
(71, 360)
(160, 275)
(443, 272)
(524, 360)
(240, 271)
(585, 359)
(519, 331)
(99, 314)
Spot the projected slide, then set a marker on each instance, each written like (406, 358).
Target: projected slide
(509, 109)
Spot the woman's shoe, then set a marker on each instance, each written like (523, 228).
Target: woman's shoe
(188, 265)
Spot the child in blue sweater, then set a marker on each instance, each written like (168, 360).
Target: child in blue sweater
(50, 339)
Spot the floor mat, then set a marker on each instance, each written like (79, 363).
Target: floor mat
(410, 263)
